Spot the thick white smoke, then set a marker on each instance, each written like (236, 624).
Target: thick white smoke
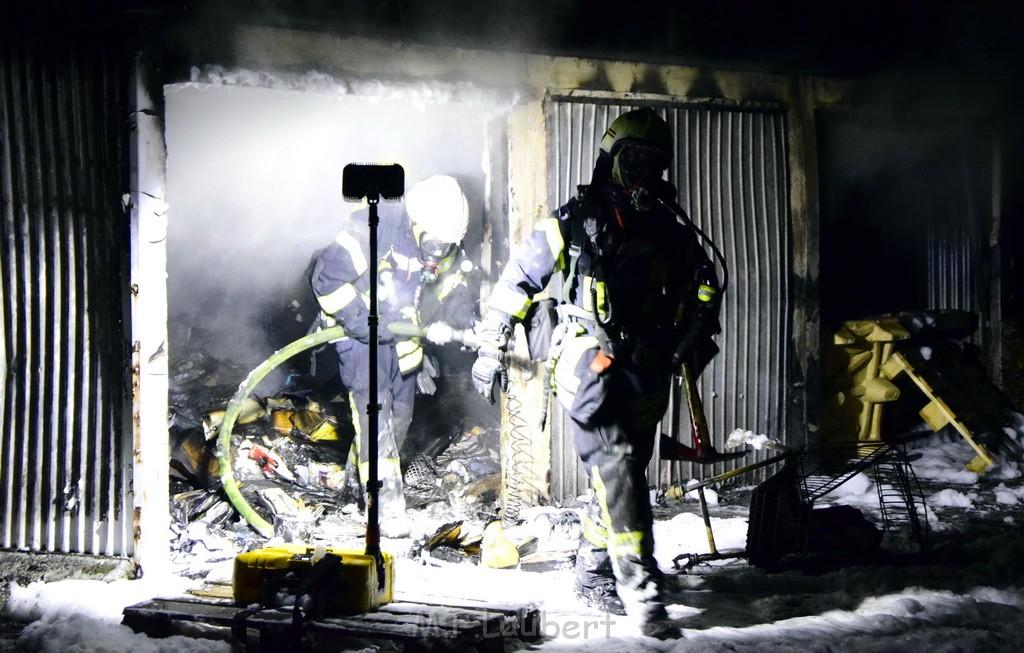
(254, 186)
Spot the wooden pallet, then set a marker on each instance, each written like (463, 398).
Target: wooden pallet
(454, 625)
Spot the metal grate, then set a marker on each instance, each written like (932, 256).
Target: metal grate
(782, 523)
(899, 501)
(820, 469)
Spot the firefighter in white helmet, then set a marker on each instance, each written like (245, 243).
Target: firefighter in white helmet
(439, 214)
(421, 281)
(340, 277)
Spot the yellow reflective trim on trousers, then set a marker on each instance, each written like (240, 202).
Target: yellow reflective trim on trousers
(625, 544)
(386, 468)
(509, 301)
(595, 533)
(549, 227)
(335, 301)
(354, 453)
(619, 544)
(601, 492)
(354, 250)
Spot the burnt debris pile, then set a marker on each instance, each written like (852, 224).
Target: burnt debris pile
(290, 456)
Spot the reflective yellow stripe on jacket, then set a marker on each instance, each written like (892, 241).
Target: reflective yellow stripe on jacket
(342, 296)
(354, 249)
(546, 247)
(595, 289)
(410, 354)
(556, 244)
(449, 283)
(333, 302)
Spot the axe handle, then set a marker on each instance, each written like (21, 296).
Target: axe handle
(696, 407)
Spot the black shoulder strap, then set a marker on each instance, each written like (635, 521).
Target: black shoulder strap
(581, 208)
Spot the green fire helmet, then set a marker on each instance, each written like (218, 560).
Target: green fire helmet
(643, 125)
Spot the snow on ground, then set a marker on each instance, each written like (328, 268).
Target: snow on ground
(965, 594)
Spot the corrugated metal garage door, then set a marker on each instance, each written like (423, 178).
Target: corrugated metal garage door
(64, 461)
(730, 169)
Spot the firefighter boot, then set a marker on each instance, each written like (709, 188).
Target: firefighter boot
(394, 522)
(595, 581)
(654, 621)
(641, 584)
(352, 491)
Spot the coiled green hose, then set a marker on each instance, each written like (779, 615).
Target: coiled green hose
(223, 450)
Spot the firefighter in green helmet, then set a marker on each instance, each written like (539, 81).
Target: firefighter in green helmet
(638, 298)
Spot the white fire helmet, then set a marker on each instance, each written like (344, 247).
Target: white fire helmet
(438, 207)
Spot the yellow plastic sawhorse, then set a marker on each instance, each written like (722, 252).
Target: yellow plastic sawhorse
(937, 412)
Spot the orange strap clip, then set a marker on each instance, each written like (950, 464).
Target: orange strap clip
(601, 362)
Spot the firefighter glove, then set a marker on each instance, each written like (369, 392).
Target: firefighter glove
(384, 336)
(357, 329)
(494, 331)
(492, 335)
(486, 371)
(685, 348)
(360, 330)
(439, 333)
(425, 377)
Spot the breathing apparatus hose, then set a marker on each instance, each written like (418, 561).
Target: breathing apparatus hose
(519, 459)
(223, 448)
(674, 207)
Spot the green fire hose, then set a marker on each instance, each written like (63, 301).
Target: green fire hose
(223, 450)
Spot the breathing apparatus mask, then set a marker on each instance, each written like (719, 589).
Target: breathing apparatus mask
(440, 216)
(435, 257)
(637, 167)
(640, 143)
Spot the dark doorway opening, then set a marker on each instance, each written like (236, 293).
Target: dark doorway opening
(905, 214)
(254, 178)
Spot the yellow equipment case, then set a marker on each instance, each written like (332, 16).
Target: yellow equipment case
(271, 576)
